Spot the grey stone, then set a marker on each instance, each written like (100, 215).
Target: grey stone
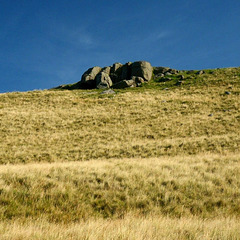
(227, 93)
(103, 80)
(158, 70)
(115, 67)
(106, 70)
(200, 72)
(137, 79)
(142, 69)
(168, 74)
(108, 91)
(116, 72)
(173, 71)
(160, 75)
(126, 71)
(88, 78)
(124, 84)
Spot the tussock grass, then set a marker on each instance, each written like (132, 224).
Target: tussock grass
(156, 162)
(50, 126)
(131, 227)
(204, 185)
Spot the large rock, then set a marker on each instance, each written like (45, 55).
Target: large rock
(126, 71)
(138, 80)
(103, 80)
(160, 70)
(142, 69)
(106, 70)
(88, 78)
(116, 72)
(125, 84)
(115, 67)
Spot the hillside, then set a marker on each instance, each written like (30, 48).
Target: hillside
(165, 153)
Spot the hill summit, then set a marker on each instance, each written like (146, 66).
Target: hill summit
(119, 75)
(115, 76)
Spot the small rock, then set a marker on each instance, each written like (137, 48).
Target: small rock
(168, 74)
(108, 91)
(159, 75)
(200, 72)
(166, 89)
(181, 77)
(210, 115)
(227, 93)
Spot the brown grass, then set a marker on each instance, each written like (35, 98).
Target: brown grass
(145, 163)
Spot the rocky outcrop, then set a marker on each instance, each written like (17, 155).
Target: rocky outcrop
(125, 84)
(103, 80)
(88, 79)
(164, 72)
(142, 69)
(117, 76)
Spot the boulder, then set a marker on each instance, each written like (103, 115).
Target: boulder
(142, 69)
(125, 84)
(88, 78)
(160, 70)
(137, 79)
(115, 67)
(116, 72)
(126, 71)
(103, 80)
(106, 70)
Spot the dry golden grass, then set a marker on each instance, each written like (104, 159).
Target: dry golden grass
(206, 186)
(129, 228)
(77, 125)
(158, 164)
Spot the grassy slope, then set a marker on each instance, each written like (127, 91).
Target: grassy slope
(152, 150)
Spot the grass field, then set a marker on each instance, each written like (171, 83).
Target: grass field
(157, 162)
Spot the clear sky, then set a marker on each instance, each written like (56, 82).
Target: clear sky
(46, 43)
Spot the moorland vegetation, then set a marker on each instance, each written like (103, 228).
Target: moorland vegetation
(159, 161)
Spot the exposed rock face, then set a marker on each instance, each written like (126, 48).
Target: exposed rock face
(115, 67)
(106, 70)
(126, 71)
(142, 69)
(116, 76)
(116, 72)
(125, 84)
(103, 80)
(88, 78)
(138, 80)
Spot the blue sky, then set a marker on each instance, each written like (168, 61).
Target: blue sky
(48, 43)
